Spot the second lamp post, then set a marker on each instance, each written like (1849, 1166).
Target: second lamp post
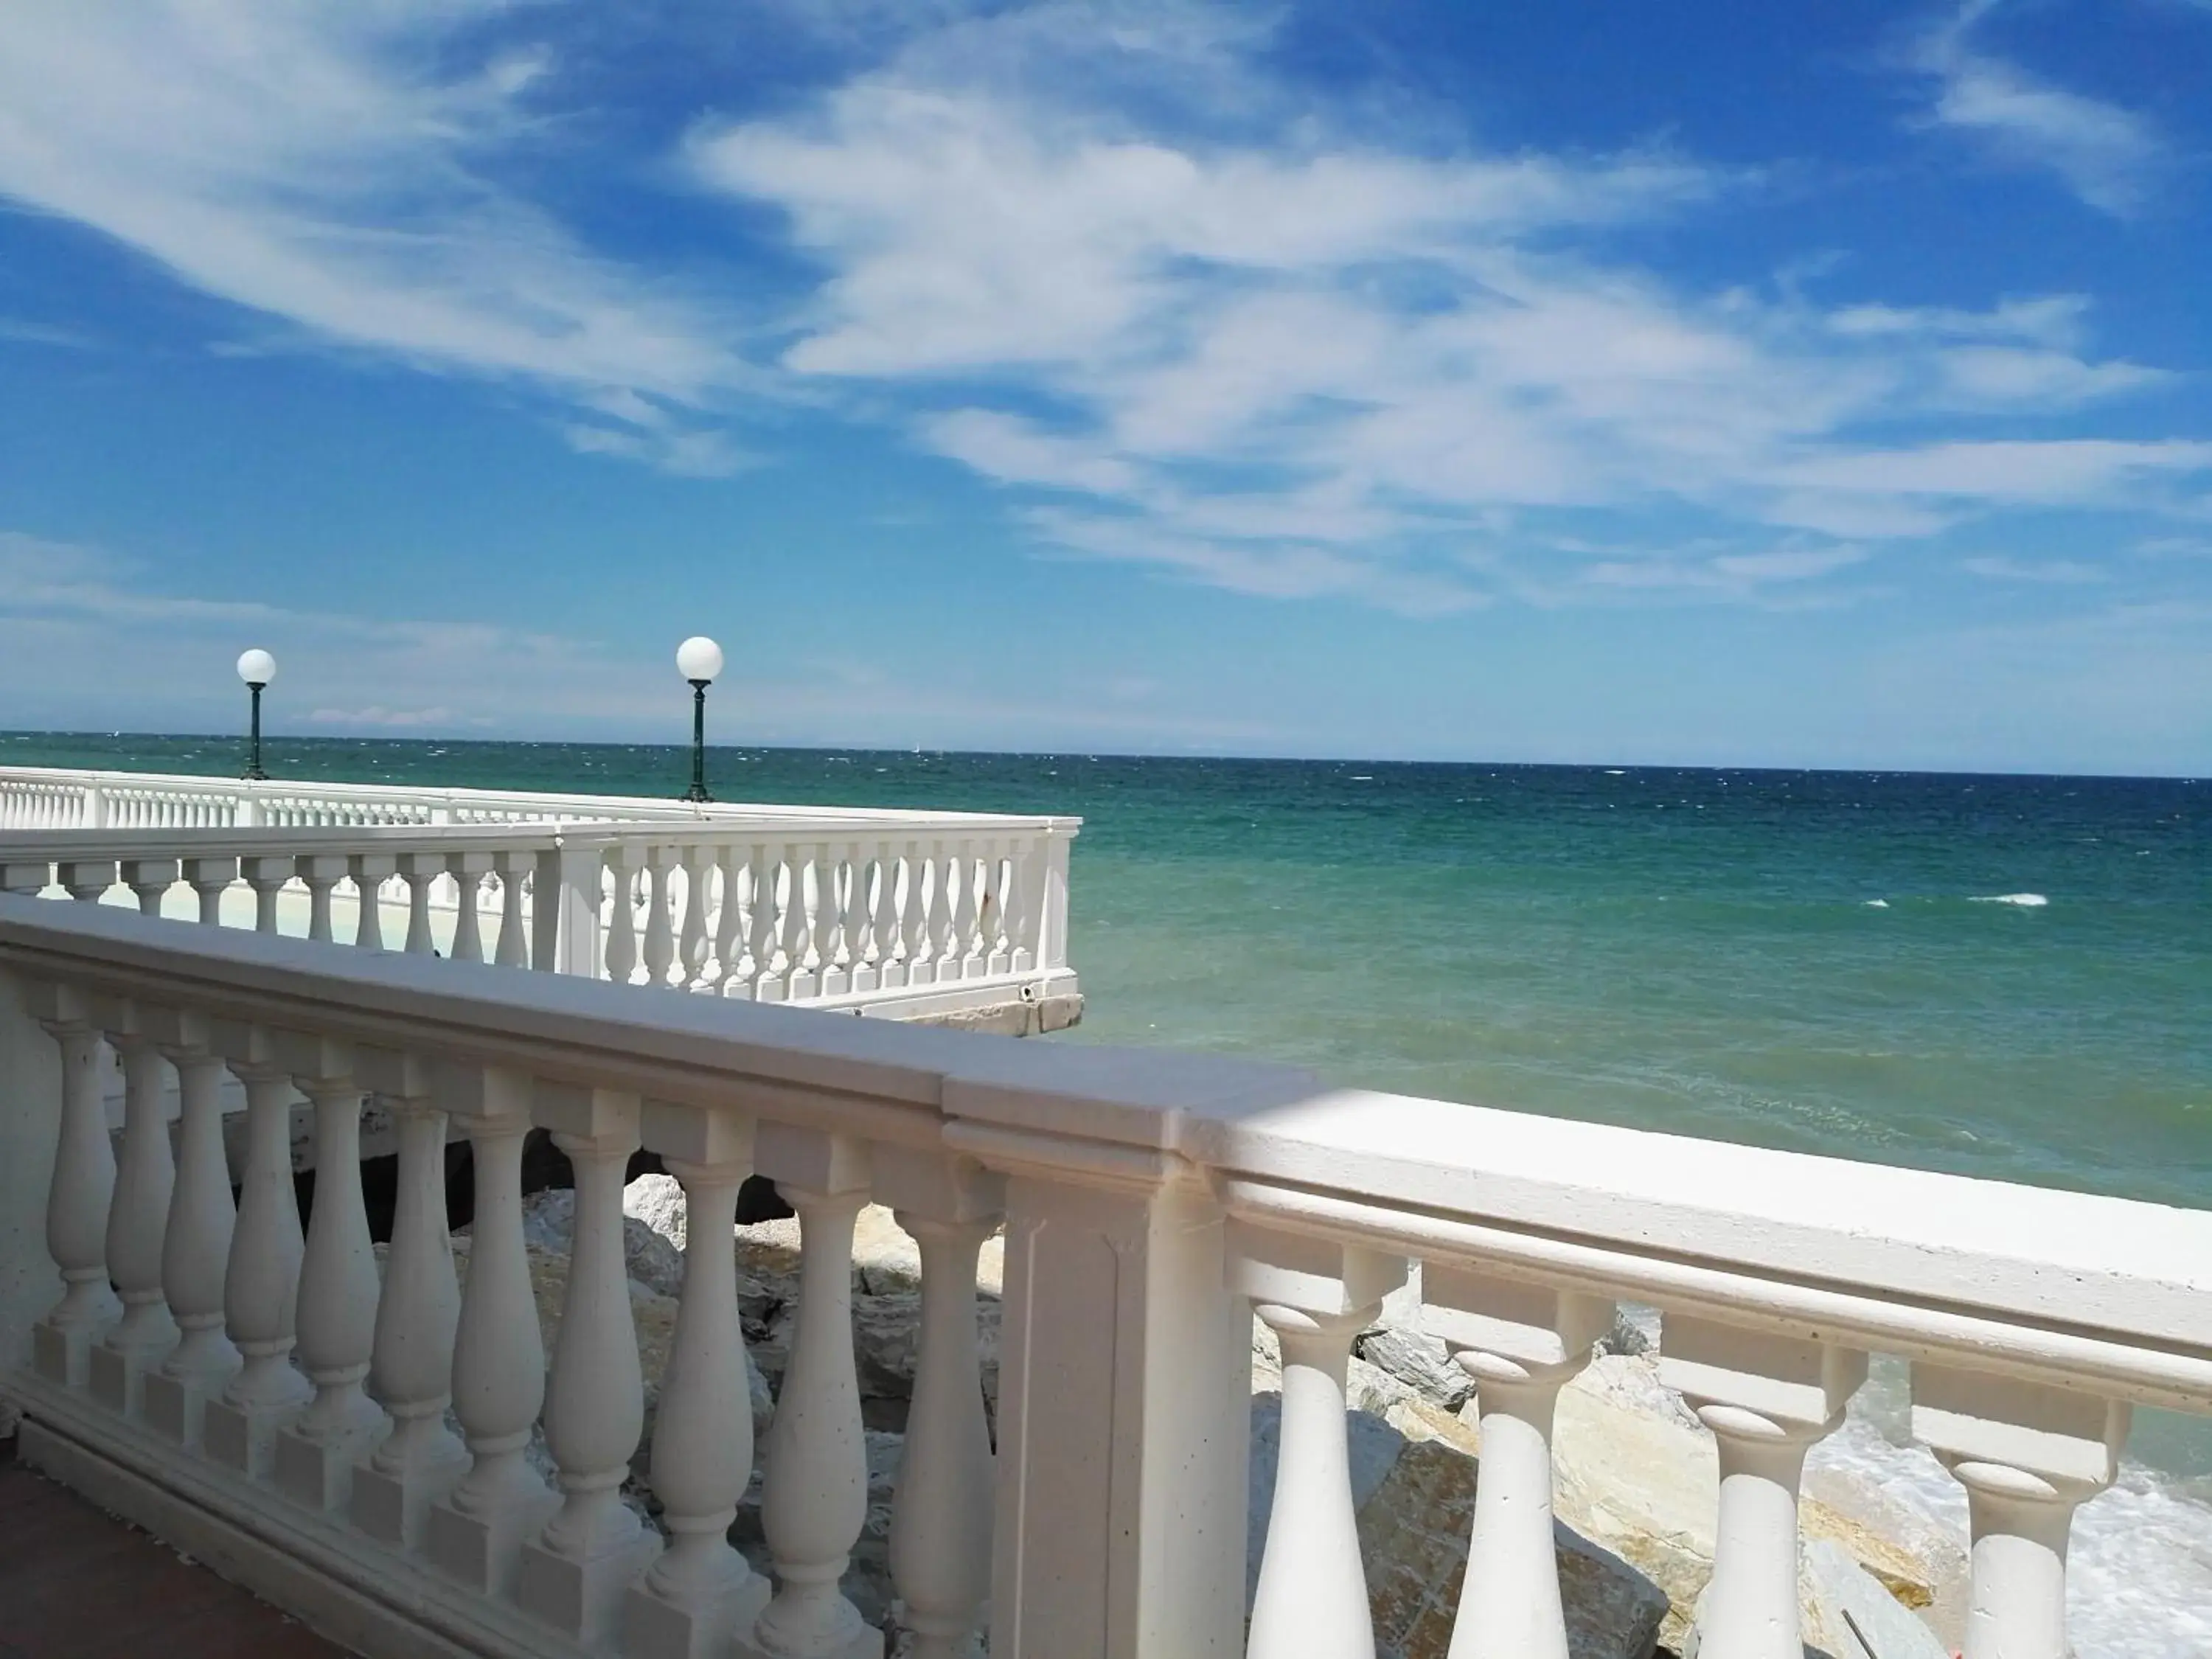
(699, 659)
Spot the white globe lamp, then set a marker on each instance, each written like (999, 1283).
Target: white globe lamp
(699, 659)
(257, 668)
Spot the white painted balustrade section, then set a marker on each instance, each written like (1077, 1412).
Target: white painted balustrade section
(56, 797)
(920, 920)
(1152, 1203)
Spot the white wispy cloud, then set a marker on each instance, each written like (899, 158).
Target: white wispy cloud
(2059, 572)
(2109, 155)
(1289, 355)
(322, 166)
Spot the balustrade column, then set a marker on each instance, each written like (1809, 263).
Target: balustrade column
(421, 870)
(760, 921)
(267, 877)
(78, 1195)
(790, 968)
(814, 1496)
(941, 1527)
(468, 872)
(513, 870)
(88, 880)
(369, 872)
(211, 879)
(150, 879)
(1317, 1296)
(2028, 1456)
(697, 863)
(195, 1248)
(260, 1286)
(899, 962)
(336, 1314)
(137, 1219)
(499, 1353)
(660, 933)
(1767, 1400)
(412, 1369)
(728, 920)
(1522, 1344)
(622, 914)
(573, 1573)
(322, 876)
(700, 1593)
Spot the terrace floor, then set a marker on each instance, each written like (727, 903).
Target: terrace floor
(77, 1583)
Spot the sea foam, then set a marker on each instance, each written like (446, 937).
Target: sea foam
(2026, 901)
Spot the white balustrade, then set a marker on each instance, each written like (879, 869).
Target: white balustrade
(940, 1543)
(411, 1371)
(260, 1286)
(573, 1573)
(476, 1536)
(1317, 1296)
(336, 1316)
(138, 1217)
(196, 1245)
(1521, 1343)
(814, 1497)
(701, 1593)
(1151, 1202)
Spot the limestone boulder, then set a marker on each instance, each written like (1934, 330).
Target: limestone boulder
(1420, 1361)
(549, 1221)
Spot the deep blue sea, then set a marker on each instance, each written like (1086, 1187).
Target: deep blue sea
(2000, 976)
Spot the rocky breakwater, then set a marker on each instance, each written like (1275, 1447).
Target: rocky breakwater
(1636, 1474)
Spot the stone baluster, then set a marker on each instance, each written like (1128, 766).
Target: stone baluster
(322, 876)
(513, 869)
(697, 863)
(928, 906)
(814, 1497)
(2028, 1456)
(77, 1194)
(210, 879)
(573, 1573)
(700, 1593)
(940, 1543)
(871, 899)
(840, 880)
(468, 872)
(1522, 1344)
(369, 870)
(88, 880)
(998, 931)
(957, 925)
(660, 930)
(476, 1533)
(894, 930)
(150, 879)
(790, 970)
(421, 870)
(622, 914)
(336, 1314)
(729, 921)
(412, 1368)
(814, 896)
(975, 932)
(1317, 1296)
(1767, 1399)
(761, 933)
(267, 877)
(260, 1286)
(138, 1218)
(195, 1248)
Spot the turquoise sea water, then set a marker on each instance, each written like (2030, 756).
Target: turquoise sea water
(2000, 976)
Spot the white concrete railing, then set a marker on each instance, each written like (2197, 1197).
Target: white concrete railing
(946, 916)
(56, 797)
(1150, 1201)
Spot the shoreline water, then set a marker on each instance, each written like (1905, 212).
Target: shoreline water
(1998, 977)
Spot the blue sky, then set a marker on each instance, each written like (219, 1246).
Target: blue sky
(1718, 383)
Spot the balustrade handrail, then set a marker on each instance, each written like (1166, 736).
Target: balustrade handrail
(25, 781)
